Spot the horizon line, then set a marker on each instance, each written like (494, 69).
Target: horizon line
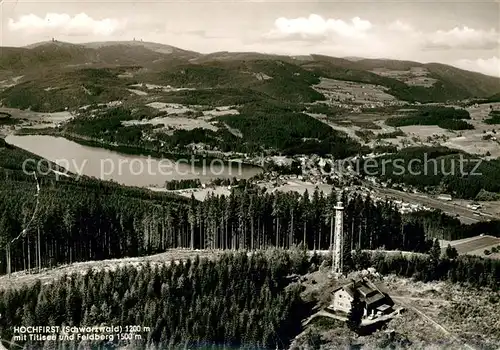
(258, 52)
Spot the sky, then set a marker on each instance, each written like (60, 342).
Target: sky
(465, 34)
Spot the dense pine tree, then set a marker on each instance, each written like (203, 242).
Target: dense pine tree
(93, 220)
(178, 303)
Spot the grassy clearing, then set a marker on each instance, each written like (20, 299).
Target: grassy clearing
(444, 117)
(484, 246)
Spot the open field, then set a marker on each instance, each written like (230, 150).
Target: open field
(158, 88)
(30, 116)
(138, 92)
(174, 122)
(350, 130)
(415, 76)
(474, 245)
(6, 83)
(35, 120)
(470, 141)
(219, 111)
(176, 119)
(481, 140)
(352, 123)
(170, 108)
(352, 92)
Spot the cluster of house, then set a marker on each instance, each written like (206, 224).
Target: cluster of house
(405, 207)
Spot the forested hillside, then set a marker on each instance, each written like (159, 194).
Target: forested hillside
(236, 301)
(85, 210)
(276, 77)
(264, 127)
(66, 89)
(451, 83)
(249, 302)
(442, 170)
(93, 220)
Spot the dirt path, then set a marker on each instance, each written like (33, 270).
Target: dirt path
(404, 301)
(323, 314)
(443, 301)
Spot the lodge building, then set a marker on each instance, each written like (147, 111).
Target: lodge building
(375, 302)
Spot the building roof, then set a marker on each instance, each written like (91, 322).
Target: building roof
(374, 298)
(383, 307)
(367, 290)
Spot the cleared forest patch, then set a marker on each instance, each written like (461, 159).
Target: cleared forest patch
(415, 76)
(353, 92)
(476, 246)
(18, 279)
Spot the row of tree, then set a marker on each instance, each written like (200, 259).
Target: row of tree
(79, 223)
(470, 270)
(430, 115)
(93, 220)
(82, 224)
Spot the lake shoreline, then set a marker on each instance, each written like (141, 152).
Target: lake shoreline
(131, 170)
(130, 150)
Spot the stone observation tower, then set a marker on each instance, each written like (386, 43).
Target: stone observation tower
(338, 245)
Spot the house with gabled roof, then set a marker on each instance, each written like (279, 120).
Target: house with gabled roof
(374, 301)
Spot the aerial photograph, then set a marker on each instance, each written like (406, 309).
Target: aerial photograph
(249, 174)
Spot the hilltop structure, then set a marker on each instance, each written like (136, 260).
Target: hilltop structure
(375, 302)
(337, 266)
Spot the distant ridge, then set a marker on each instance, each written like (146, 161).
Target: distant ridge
(448, 83)
(353, 58)
(49, 42)
(160, 48)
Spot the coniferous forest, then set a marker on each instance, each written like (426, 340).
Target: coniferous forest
(94, 220)
(239, 300)
(235, 301)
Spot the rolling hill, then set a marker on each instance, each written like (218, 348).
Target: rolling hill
(288, 79)
(61, 89)
(56, 55)
(474, 83)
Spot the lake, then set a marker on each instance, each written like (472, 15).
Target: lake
(125, 169)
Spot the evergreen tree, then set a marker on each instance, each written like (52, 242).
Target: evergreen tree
(451, 252)
(435, 251)
(355, 313)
